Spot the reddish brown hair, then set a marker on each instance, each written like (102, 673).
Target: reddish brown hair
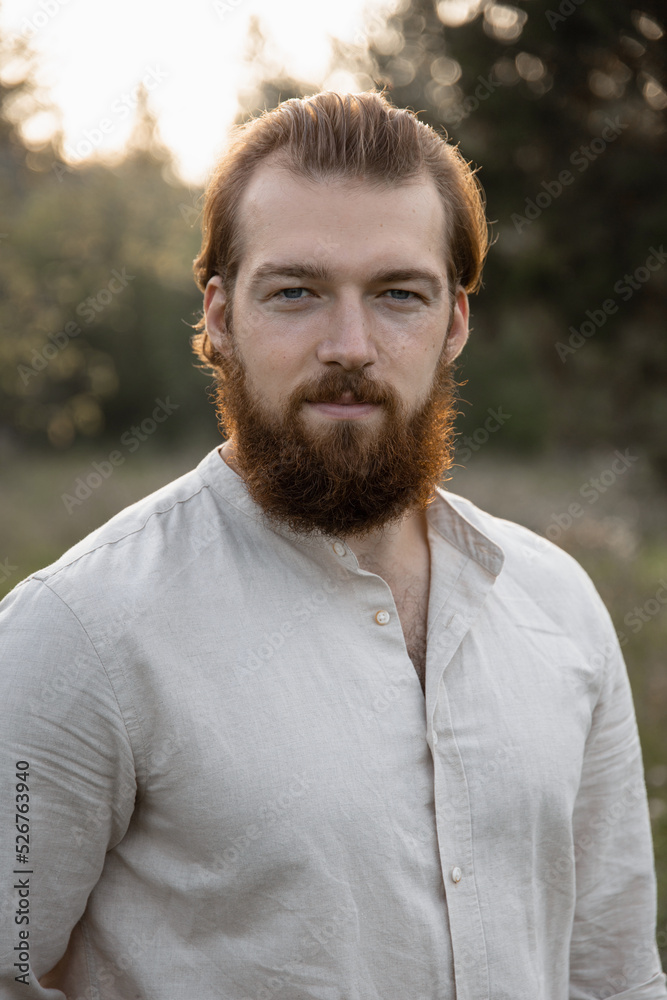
(360, 136)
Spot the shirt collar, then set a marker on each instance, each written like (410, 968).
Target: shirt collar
(460, 532)
(443, 515)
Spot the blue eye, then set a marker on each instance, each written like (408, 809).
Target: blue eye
(400, 294)
(289, 293)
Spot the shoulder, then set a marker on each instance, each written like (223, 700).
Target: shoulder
(136, 544)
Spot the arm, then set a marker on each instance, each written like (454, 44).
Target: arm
(58, 715)
(613, 951)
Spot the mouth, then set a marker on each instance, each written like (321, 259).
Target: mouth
(344, 407)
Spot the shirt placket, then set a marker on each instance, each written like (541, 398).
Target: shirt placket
(452, 802)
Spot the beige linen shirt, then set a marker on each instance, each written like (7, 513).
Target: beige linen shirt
(237, 789)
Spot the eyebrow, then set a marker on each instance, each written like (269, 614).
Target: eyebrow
(319, 272)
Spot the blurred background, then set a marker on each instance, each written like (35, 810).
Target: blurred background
(112, 117)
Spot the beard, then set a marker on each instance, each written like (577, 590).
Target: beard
(346, 477)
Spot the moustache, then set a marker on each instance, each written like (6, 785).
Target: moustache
(344, 387)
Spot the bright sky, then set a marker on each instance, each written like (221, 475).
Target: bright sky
(92, 55)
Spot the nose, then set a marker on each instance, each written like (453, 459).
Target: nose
(347, 338)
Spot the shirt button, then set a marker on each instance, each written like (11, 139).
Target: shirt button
(382, 617)
(339, 548)
(456, 874)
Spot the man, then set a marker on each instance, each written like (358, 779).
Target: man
(301, 724)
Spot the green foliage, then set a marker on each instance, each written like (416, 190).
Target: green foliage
(96, 293)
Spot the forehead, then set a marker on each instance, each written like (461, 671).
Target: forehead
(348, 223)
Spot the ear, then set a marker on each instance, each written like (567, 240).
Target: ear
(215, 303)
(458, 333)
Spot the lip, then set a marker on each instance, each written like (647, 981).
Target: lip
(344, 411)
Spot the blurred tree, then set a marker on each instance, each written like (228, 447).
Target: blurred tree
(97, 289)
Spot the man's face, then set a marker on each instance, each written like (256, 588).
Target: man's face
(337, 389)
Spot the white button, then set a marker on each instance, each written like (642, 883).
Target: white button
(339, 548)
(435, 738)
(382, 617)
(456, 874)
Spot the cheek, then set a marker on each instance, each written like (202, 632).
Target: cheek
(417, 365)
(273, 372)
(262, 352)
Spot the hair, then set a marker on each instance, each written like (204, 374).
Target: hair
(354, 136)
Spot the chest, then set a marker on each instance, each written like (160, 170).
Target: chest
(411, 599)
(259, 723)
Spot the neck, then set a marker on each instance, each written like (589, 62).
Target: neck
(393, 545)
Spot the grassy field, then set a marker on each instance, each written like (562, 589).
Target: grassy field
(604, 509)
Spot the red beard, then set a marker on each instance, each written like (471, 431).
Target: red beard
(344, 478)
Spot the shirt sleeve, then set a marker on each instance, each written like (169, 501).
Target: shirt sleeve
(613, 951)
(67, 782)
